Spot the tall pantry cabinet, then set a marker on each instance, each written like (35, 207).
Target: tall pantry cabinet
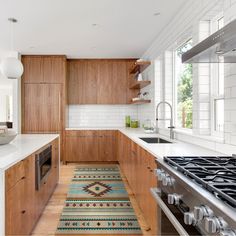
(44, 94)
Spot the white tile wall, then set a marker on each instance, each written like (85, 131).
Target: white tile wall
(100, 115)
(230, 84)
(183, 24)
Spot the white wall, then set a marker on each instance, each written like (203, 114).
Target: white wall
(14, 86)
(5, 91)
(85, 116)
(185, 23)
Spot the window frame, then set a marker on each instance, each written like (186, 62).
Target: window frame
(215, 73)
(175, 87)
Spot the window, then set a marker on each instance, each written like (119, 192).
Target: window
(217, 94)
(183, 88)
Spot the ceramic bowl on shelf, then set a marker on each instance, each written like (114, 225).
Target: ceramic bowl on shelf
(7, 137)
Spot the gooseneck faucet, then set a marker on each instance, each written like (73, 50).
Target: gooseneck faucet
(171, 127)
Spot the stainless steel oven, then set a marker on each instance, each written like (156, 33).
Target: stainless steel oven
(43, 165)
(196, 196)
(171, 218)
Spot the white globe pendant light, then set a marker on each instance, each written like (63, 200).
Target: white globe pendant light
(11, 67)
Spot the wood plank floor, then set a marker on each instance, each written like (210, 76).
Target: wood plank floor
(48, 222)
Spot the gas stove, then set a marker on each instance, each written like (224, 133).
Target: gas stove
(202, 189)
(214, 173)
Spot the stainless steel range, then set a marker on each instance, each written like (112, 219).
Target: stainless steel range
(197, 195)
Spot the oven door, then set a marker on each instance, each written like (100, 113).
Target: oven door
(171, 218)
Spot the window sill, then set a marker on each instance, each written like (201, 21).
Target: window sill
(205, 137)
(188, 132)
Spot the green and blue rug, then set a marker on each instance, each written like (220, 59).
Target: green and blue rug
(97, 203)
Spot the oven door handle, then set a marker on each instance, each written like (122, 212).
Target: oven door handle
(179, 228)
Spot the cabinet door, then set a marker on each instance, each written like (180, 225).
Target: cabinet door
(20, 202)
(82, 81)
(104, 83)
(54, 69)
(107, 146)
(33, 69)
(81, 146)
(152, 182)
(90, 146)
(75, 71)
(42, 108)
(90, 82)
(119, 82)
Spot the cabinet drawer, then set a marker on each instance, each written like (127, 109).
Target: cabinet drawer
(15, 174)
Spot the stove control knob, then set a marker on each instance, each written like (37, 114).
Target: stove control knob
(228, 232)
(189, 218)
(200, 212)
(159, 173)
(173, 199)
(167, 180)
(214, 224)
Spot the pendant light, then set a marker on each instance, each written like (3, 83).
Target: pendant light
(11, 67)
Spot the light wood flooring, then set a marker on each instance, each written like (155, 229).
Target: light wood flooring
(47, 224)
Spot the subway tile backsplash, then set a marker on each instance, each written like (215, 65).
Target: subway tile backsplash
(82, 116)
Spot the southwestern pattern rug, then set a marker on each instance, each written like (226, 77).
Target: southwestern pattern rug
(97, 203)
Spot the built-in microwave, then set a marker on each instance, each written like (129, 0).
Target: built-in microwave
(43, 165)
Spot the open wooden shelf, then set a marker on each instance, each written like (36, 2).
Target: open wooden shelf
(140, 102)
(140, 84)
(139, 66)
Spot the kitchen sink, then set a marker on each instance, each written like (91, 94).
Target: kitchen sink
(155, 140)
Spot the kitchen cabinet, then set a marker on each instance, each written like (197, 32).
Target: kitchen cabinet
(138, 166)
(82, 81)
(99, 81)
(42, 108)
(43, 69)
(107, 149)
(24, 204)
(90, 145)
(20, 201)
(43, 87)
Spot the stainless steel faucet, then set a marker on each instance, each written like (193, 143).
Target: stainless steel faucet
(171, 127)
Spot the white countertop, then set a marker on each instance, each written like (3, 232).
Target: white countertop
(21, 147)
(177, 148)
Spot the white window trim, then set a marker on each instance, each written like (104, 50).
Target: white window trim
(215, 86)
(174, 88)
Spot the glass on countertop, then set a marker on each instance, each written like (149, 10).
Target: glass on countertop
(134, 123)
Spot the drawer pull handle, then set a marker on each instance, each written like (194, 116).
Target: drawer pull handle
(149, 167)
(23, 212)
(23, 177)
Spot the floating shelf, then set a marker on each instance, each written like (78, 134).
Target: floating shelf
(139, 102)
(139, 66)
(140, 84)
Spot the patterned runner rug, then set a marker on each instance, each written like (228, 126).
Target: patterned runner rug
(97, 203)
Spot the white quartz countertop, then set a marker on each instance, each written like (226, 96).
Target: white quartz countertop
(21, 147)
(177, 148)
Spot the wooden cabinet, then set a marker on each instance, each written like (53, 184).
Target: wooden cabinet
(107, 148)
(43, 69)
(138, 166)
(42, 108)
(90, 145)
(43, 98)
(99, 81)
(24, 204)
(82, 81)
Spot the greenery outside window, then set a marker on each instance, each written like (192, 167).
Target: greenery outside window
(183, 88)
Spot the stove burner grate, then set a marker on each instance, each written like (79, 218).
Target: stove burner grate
(217, 174)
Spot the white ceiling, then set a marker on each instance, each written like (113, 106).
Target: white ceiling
(126, 28)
